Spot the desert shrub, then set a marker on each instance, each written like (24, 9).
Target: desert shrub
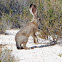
(60, 55)
(0, 53)
(6, 56)
(17, 15)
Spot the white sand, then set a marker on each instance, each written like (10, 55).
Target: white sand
(42, 54)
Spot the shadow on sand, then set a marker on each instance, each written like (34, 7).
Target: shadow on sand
(52, 43)
(42, 46)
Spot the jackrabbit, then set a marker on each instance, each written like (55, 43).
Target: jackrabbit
(31, 28)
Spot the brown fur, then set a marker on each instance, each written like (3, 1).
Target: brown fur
(30, 29)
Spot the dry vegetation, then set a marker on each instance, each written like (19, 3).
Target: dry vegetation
(60, 55)
(6, 56)
(15, 14)
(0, 54)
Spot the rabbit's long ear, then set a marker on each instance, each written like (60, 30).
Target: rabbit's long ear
(34, 10)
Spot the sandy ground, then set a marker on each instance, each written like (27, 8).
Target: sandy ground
(43, 52)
